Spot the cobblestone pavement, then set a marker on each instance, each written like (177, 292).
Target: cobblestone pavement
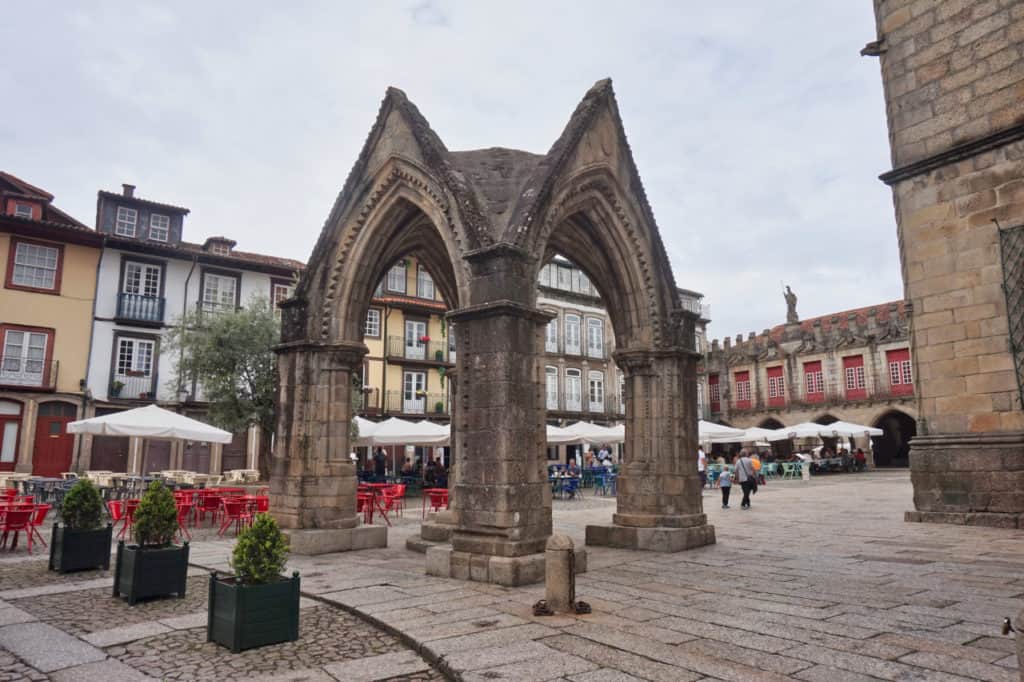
(327, 636)
(21, 574)
(86, 611)
(13, 668)
(820, 580)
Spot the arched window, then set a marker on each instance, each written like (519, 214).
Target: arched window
(572, 334)
(595, 390)
(551, 387)
(573, 390)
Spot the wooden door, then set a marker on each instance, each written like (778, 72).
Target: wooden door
(54, 446)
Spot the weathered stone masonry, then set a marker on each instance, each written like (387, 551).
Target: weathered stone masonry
(484, 222)
(953, 73)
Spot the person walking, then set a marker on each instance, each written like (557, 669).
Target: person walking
(746, 477)
(702, 468)
(725, 483)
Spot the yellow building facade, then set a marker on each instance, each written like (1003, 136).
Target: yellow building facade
(411, 347)
(46, 304)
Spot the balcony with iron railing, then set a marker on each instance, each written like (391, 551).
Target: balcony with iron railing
(132, 386)
(609, 408)
(433, 352)
(139, 309)
(20, 372)
(418, 403)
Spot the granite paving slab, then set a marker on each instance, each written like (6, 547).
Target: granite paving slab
(100, 671)
(381, 667)
(46, 648)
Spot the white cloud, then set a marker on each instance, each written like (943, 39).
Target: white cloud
(757, 128)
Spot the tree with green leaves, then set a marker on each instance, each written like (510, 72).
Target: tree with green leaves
(230, 354)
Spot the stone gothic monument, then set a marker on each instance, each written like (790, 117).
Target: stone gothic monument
(484, 222)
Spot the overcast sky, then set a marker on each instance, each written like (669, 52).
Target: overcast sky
(758, 130)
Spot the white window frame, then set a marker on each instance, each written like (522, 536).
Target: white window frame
(398, 270)
(372, 326)
(573, 398)
(19, 210)
(34, 260)
(595, 337)
(814, 382)
(544, 278)
(27, 365)
(163, 229)
(218, 301)
(145, 272)
(715, 389)
(743, 390)
(126, 222)
(595, 391)
(551, 336)
(275, 289)
(136, 360)
(424, 283)
(572, 323)
(551, 387)
(855, 378)
(564, 278)
(776, 387)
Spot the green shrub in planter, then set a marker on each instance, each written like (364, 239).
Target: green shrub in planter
(256, 606)
(155, 567)
(82, 542)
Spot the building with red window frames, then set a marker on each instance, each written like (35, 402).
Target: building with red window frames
(853, 366)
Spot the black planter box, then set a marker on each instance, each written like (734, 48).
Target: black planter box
(247, 616)
(77, 550)
(142, 572)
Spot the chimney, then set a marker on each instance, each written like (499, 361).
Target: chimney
(128, 190)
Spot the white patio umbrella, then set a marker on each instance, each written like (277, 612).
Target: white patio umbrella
(849, 429)
(150, 422)
(556, 435)
(397, 431)
(366, 429)
(593, 433)
(709, 432)
(802, 430)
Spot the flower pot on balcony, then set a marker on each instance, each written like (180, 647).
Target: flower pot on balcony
(243, 616)
(115, 389)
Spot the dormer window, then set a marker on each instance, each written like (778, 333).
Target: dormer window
(219, 246)
(127, 219)
(23, 210)
(159, 227)
(220, 249)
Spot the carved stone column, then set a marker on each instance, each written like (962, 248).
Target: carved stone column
(313, 482)
(659, 504)
(502, 514)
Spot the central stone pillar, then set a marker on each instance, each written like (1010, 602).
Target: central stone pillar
(502, 510)
(313, 482)
(659, 490)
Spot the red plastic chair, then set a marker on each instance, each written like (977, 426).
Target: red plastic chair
(9, 493)
(236, 512)
(262, 504)
(398, 492)
(17, 521)
(364, 506)
(38, 518)
(438, 499)
(208, 504)
(129, 516)
(116, 509)
(184, 509)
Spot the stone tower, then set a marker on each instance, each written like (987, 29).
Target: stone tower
(953, 73)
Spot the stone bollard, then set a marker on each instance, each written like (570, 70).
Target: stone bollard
(559, 574)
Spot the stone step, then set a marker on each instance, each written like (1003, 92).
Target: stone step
(418, 544)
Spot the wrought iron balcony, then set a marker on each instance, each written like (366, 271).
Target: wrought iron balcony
(132, 386)
(399, 402)
(424, 351)
(16, 370)
(139, 308)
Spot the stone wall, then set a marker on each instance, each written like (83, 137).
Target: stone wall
(954, 83)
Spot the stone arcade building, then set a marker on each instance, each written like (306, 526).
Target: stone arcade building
(484, 222)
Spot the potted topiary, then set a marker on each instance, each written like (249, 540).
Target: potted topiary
(81, 542)
(257, 605)
(439, 407)
(115, 389)
(155, 567)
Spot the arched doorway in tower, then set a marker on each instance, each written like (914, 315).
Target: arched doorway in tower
(892, 449)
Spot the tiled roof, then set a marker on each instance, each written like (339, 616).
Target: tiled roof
(139, 200)
(391, 299)
(882, 312)
(189, 249)
(51, 214)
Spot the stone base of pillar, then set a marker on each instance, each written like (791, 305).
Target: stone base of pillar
(656, 539)
(311, 541)
(436, 530)
(970, 479)
(445, 562)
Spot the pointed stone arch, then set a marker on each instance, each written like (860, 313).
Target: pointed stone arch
(483, 222)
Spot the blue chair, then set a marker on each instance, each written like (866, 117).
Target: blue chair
(570, 487)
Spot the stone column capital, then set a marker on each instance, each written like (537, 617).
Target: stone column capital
(341, 356)
(500, 308)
